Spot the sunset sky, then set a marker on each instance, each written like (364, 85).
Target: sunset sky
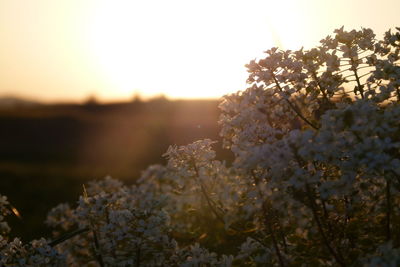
(68, 50)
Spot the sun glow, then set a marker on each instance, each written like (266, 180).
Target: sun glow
(67, 50)
(183, 49)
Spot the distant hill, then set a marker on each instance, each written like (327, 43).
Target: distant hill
(11, 102)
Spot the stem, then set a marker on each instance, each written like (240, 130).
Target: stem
(338, 258)
(357, 78)
(388, 211)
(346, 204)
(68, 236)
(314, 75)
(215, 212)
(204, 192)
(359, 59)
(285, 246)
(348, 69)
(269, 226)
(275, 243)
(137, 264)
(365, 74)
(110, 239)
(293, 106)
(326, 215)
(97, 246)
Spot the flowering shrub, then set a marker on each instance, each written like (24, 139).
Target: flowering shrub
(315, 180)
(15, 253)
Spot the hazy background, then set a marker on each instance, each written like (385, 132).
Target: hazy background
(48, 151)
(57, 50)
(90, 88)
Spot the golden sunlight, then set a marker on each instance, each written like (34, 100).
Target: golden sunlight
(113, 49)
(182, 49)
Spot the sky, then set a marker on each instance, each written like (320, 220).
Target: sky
(70, 50)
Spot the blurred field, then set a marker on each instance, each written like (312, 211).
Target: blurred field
(48, 151)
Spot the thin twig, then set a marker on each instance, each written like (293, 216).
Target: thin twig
(388, 211)
(68, 236)
(97, 247)
(359, 86)
(339, 259)
(215, 212)
(320, 86)
(293, 106)
(138, 252)
(361, 76)
(269, 224)
(275, 243)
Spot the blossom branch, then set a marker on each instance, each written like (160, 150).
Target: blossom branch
(293, 106)
(68, 236)
(339, 259)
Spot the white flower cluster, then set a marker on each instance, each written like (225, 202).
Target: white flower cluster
(15, 253)
(4, 211)
(315, 180)
(36, 253)
(125, 225)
